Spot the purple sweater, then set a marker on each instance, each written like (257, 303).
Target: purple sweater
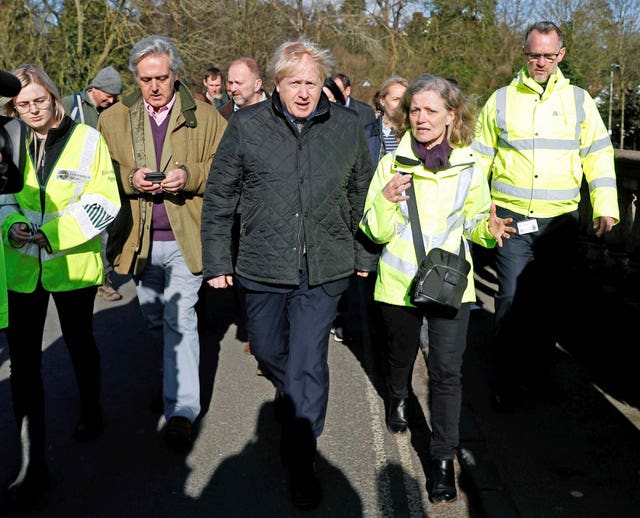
(161, 227)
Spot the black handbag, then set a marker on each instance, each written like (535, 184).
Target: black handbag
(441, 279)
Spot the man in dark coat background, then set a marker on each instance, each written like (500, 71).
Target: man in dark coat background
(365, 111)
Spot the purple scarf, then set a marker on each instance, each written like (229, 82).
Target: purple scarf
(434, 159)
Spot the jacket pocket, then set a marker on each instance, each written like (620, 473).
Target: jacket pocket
(247, 222)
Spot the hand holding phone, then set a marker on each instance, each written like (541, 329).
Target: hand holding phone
(154, 177)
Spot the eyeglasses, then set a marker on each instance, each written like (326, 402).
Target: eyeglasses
(549, 58)
(41, 104)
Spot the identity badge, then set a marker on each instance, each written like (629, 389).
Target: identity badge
(527, 226)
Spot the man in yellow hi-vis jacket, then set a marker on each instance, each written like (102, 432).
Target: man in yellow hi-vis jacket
(535, 140)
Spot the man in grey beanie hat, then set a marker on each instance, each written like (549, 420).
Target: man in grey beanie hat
(101, 93)
(108, 80)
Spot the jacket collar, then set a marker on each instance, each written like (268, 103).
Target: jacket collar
(321, 113)
(524, 80)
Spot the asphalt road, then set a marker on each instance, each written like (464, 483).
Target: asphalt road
(574, 457)
(234, 468)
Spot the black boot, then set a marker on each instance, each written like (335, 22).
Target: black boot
(306, 491)
(443, 482)
(33, 477)
(397, 416)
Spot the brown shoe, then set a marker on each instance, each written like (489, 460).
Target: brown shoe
(107, 291)
(177, 434)
(247, 348)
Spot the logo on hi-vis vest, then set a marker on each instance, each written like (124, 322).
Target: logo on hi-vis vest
(70, 175)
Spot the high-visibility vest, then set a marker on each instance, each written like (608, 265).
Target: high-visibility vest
(78, 201)
(535, 144)
(453, 204)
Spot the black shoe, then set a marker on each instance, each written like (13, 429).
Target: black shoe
(306, 490)
(177, 434)
(443, 482)
(397, 417)
(89, 428)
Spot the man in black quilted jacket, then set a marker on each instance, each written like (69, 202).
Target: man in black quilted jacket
(296, 169)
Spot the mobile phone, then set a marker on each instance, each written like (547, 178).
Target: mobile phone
(154, 177)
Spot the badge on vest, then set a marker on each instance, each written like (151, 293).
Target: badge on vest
(70, 175)
(526, 226)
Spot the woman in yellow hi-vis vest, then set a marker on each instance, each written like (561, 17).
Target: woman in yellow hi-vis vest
(52, 248)
(452, 204)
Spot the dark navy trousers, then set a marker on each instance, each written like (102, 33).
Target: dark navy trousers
(537, 299)
(289, 333)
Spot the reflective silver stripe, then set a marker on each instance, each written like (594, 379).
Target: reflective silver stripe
(536, 194)
(602, 182)
(46, 256)
(87, 155)
(464, 181)
(8, 205)
(541, 144)
(501, 112)
(407, 267)
(578, 96)
(471, 224)
(397, 263)
(596, 145)
(483, 150)
(88, 149)
(35, 216)
(29, 249)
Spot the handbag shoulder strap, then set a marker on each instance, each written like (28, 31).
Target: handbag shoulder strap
(416, 230)
(414, 218)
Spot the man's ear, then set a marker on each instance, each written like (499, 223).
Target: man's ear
(563, 51)
(258, 84)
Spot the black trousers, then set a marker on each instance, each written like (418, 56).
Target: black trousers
(447, 343)
(27, 315)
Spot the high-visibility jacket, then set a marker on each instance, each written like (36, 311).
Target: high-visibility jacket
(534, 143)
(77, 202)
(452, 203)
(4, 304)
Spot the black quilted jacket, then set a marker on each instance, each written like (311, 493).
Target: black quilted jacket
(293, 192)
